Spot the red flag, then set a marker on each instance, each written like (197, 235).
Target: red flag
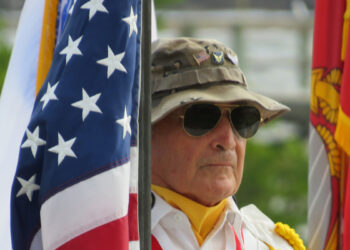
(342, 133)
(327, 170)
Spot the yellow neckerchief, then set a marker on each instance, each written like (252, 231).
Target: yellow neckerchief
(202, 218)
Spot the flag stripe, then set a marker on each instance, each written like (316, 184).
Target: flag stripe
(107, 236)
(319, 211)
(132, 213)
(134, 245)
(320, 190)
(316, 161)
(313, 244)
(134, 170)
(82, 206)
(37, 242)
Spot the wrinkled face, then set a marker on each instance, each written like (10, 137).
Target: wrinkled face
(206, 169)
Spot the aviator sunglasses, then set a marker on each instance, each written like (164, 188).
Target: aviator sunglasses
(200, 118)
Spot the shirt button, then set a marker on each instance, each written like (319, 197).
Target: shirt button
(178, 217)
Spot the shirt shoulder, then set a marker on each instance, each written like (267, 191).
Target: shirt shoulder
(277, 236)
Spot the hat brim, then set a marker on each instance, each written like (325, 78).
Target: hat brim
(228, 93)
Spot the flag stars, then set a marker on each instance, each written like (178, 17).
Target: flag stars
(132, 21)
(125, 123)
(72, 48)
(93, 6)
(33, 140)
(28, 187)
(87, 104)
(49, 95)
(63, 148)
(113, 62)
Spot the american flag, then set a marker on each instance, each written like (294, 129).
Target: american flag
(75, 185)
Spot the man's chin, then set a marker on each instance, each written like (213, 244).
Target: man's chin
(217, 194)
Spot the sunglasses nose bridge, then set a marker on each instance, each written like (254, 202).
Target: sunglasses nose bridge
(226, 111)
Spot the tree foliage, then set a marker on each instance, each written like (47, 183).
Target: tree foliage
(275, 180)
(5, 53)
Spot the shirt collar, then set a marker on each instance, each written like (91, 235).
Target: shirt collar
(202, 218)
(231, 213)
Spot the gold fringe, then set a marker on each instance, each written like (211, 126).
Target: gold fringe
(333, 239)
(290, 235)
(342, 132)
(47, 42)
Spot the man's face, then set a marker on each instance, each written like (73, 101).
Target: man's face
(206, 169)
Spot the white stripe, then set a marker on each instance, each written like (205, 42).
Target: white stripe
(312, 133)
(316, 196)
(134, 245)
(316, 161)
(134, 170)
(37, 243)
(321, 223)
(84, 206)
(154, 24)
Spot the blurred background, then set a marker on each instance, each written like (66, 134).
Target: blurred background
(273, 40)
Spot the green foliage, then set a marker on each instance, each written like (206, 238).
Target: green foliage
(5, 53)
(166, 3)
(275, 180)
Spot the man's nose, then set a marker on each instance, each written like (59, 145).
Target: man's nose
(224, 136)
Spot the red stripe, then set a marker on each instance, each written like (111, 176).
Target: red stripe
(155, 244)
(328, 32)
(242, 236)
(112, 235)
(238, 244)
(133, 224)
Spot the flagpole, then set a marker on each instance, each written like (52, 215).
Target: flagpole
(145, 130)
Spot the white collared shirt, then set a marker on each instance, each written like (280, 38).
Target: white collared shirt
(172, 229)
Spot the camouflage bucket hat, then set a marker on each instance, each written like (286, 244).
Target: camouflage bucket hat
(187, 70)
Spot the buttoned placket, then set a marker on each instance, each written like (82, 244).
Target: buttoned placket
(173, 220)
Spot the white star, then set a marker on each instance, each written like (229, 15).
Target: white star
(87, 104)
(49, 95)
(72, 7)
(125, 123)
(113, 62)
(131, 20)
(33, 140)
(93, 6)
(28, 187)
(72, 48)
(63, 148)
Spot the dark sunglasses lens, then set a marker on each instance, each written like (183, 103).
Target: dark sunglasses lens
(201, 118)
(246, 120)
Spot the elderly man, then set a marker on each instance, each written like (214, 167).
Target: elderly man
(202, 114)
